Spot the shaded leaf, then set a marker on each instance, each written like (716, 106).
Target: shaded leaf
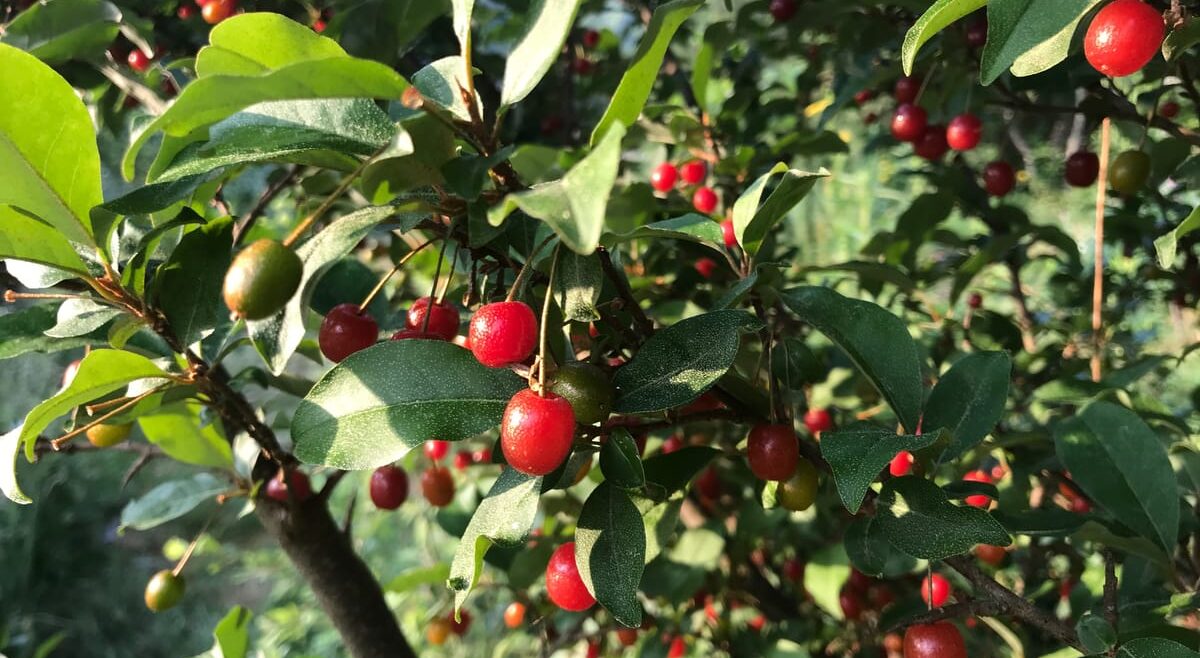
(188, 286)
(871, 553)
(169, 501)
(857, 456)
(1016, 27)
(578, 283)
(969, 399)
(23, 331)
(934, 20)
(1167, 245)
(671, 472)
(691, 227)
(620, 462)
(610, 549)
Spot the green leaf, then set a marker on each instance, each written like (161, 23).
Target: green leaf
(1167, 245)
(969, 399)
(1155, 647)
(370, 409)
(610, 549)
(23, 331)
(504, 517)
(825, 574)
(1181, 39)
(915, 515)
(10, 446)
(1051, 522)
(856, 457)
(620, 462)
(100, 372)
(80, 316)
(62, 30)
(133, 276)
(549, 24)
(934, 20)
(189, 284)
(232, 634)
(169, 501)
(439, 83)
(578, 283)
(417, 576)
(462, 24)
(1095, 634)
(1051, 52)
(659, 520)
(1120, 463)
(752, 222)
(679, 363)
(1016, 27)
(639, 78)
(159, 196)
(691, 227)
(877, 341)
(49, 162)
(671, 472)
(256, 43)
(182, 432)
(574, 206)
(871, 553)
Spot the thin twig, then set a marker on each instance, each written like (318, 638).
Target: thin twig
(641, 322)
(247, 222)
(1111, 611)
(1098, 263)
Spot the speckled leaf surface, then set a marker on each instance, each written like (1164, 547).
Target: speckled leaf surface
(1050, 522)
(503, 518)
(871, 553)
(751, 221)
(373, 407)
(1016, 27)
(969, 399)
(691, 227)
(79, 316)
(578, 280)
(858, 455)
(877, 342)
(620, 462)
(440, 82)
(1155, 647)
(549, 23)
(681, 362)
(610, 549)
(666, 474)
(22, 331)
(917, 518)
(1122, 465)
(934, 20)
(660, 520)
(188, 286)
(56, 32)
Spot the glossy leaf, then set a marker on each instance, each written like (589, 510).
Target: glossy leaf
(916, 516)
(691, 227)
(642, 72)
(1167, 245)
(375, 406)
(934, 20)
(256, 43)
(610, 549)
(969, 399)
(80, 316)
(620, 462)
(857, 456)
(752, 221)
(679, 363)
(62, 30)
(188, 285)
(504, 518)
(185, 435)
(877, 342)
(578, 282)
(1016, 27)
(1122, 465)
(23, 331)
(549, 24)
(170, 500)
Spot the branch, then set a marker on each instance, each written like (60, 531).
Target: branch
(1024, 317)
(972, 608)
(1111, 613)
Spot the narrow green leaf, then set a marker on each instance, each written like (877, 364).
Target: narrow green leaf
(610, 549)
(1049, 522)
(440, 83)
(578, 282)
(857, 456)
(1167, 245)
(10, 447)
(969, 399)
(169, 501)
(370, 409)
(934, 20)
(62, 30)
(188, 285)
(877, 341)
(691, 227)
(417, 576)
(503, 518)
(23, 331)
(80, 316)
(637, 82)
(232, 634)
(1120, 463)
(917, 517)
(133, 276)
(620, 462)
(752, 222)
(182, 432)
(1016, 27)
(1155, 647)
(37, 244)
(549, 24)
(462, 24)
(681, 362)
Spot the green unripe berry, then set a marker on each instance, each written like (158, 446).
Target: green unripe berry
(105, 436)
(1129, 172)
(588, 390)
(261, 279)
(798, 492)
(164, 591)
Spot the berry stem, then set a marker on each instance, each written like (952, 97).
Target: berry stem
(333, 196)
(58, 443)
(187, 553)
(362, 307)
(545, 323)
(437, 274)
(441, 296)
(1098, 265)
(520, 280)
(925, 83)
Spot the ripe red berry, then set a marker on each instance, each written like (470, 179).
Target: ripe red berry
(773, 451)
(296, 481)
(1080, 505)
(901, 464)
(975, 300)
(537, 431)
(708, 485)
(514, 614)
(693, 172)
(138, 60)
(593, 649)
(443, 318)
(964, 132)
(346, 330)
(627, 636)
(906, 89)
(937, 640)
(185, 11)
(908, 123)
(851, 603)
(978, 500)
(1083, 167)
(793, 570)
(818, 420)
(435, 449)
(727, 234)
(563, 582)
(437, 485)
(1168, 110)
(663, 177)
(783, 10)
(993, 555)
(462, 460)
(931, 145)
(939, 589)
(706, 267)
(678, 647)
(503, 333)
(863, 95)
(319, 26)
(673, 443)
(591, 38)
(581, 66)
(999, 178)
(977, 32)
(704, 200)
(881, 596)
(858, 581)
(215, 11)
(482, 456)
(459, 626)
(389, 487)
(1123, 37)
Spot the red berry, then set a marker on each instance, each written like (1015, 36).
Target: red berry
(593, 649)
(673, 443)
(1080, 505)
(783, 10)
(591, 38)
(793, 570)
(964, 132)
(906, 89)
(931, 145)
(937, 640)
(514, 614)
(993, 555)
(908, 123)
(296, 481)
(1123, 37)
(435, 449)
(536, 432)
(437, 485)
(901, 464)
(881, 596)
(185, 11)
(563, 582)
(977, 31)
(757, 623)
(975, 300)
(706, 267)
(581, 66)
(693, 172)
(851, 603)
(215, 11)
(138, 60)
(1168, 110)
(863, 95)
(999, 178)
(978, 500)
(1083, 167)
(663, 177)
(346, 330)
(727, 234)
(818, 420)
(708, 485)
(462, 460)
(318, 26)
(773, 451)
(627, 636)
(459, 626)
(503, 333)
(678, 648)
(389, 487)
(939, 590)
(705, 200)
(482, 456)
(859, 581)
(443, 318)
